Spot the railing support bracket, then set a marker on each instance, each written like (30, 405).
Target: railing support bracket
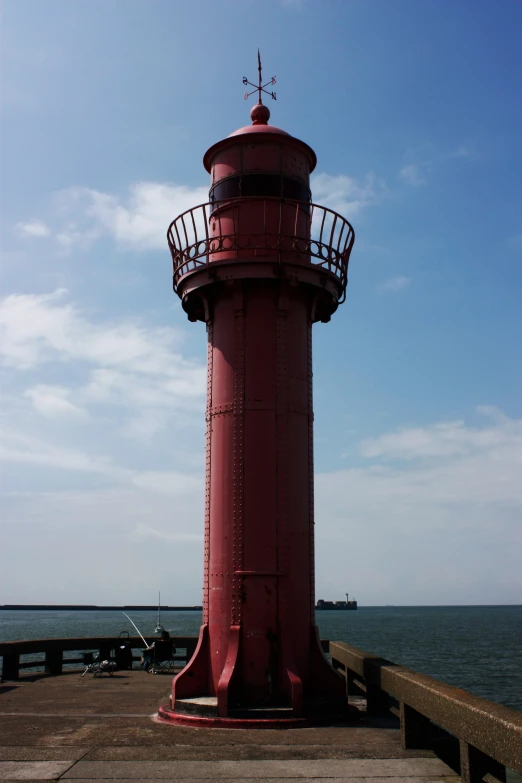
(416, 729)
(474, 765)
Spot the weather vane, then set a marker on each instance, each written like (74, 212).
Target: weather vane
(260, 87)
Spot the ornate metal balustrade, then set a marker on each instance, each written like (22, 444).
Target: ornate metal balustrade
(265, 227)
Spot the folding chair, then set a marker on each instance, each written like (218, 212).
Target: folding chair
(162, 661)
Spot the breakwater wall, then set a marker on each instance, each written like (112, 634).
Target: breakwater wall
(94, 608)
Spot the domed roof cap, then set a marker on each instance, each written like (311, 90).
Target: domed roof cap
(260, 114)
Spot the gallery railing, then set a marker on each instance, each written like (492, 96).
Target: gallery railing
(253, 227)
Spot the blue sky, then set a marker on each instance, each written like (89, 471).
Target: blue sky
(414, 111)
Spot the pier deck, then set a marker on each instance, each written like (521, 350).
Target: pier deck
(73, 729)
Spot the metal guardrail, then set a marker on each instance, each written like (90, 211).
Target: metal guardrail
(476, 737)
(273, 227)
(54, 649)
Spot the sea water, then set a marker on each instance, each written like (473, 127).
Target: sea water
(478, 648)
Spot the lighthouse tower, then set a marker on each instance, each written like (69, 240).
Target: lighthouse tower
(259, 264)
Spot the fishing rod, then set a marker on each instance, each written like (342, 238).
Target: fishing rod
(136, 627)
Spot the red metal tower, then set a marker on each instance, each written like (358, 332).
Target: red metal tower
(259, 264)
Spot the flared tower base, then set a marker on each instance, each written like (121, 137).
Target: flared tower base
(196, 701)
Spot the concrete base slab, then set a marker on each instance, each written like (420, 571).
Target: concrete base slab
(244, 770)
(32, 770)
(200, 701)
(298, 778)
(366, 744)
(24, 753)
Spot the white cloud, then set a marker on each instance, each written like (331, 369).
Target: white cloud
(146, 424)
(54, 401)
(17, 447)
(434, 517)
(462, 151)
(89, 543)
(183, 381)
(413, 174)
(451, 461)
(142, 532)
(33, 326)
(395, 284)
(172, 483)
(120, 366)
(346, 195)
(138, 221)
(33, 228)
(493, 413)
(427, 158)
(38, 328)
(70, 236)
(446, 439)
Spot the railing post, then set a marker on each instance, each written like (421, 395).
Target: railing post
(474, 764)
(352, 689)
(377, 700)
(342, 670)
(415, 728)
(53, 661)
(10, 666)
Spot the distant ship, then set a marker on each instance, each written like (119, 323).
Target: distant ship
(346, 605)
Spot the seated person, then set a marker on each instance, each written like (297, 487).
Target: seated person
(160, 650)
(147, 657)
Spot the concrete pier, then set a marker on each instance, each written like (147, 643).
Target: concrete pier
(87, 729)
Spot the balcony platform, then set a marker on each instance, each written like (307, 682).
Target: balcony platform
(87, 729)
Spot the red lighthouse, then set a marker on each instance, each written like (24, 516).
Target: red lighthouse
(259, 264)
